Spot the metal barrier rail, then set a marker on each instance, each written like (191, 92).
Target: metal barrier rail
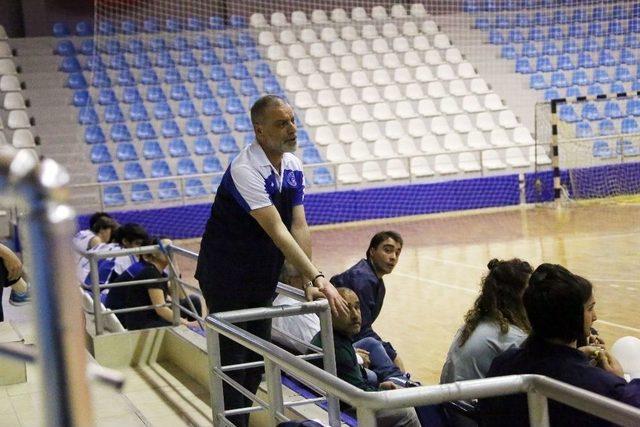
(538, 388)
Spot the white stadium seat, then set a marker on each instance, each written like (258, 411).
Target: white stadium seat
(306, 66)
(293, 83)
(327, 98)
(418, 10)
(318, 50)
(515, 158)
(382, 111)
(398, 11)
(348, 134)
(405, 110)
(371, 171)
(499, 138)
(349, 33)
(304, 100)
(349, 96)
(275, 52)
(382, 148)
(325, 136)
(389, 30)
(508, 120)
(336, 154)
(328, 64)
(421, 43)
(448, 105)
(278, 19)
(393, 129)
(443, 165)
(359, 47)
(338, 48)
(23, 138)
(359, 14)
(371, 95)
(407, 147)
(458, 88)
(410, 29)
(453, 55)
(339, 15)
(337, 116)
(328, 34)
(9, 83)
(432, 57)
(522, 136)
(445, 72)
(396, 169)
(427, 108)
(423, 74)
(440, 41)
(266, 38)
(296, 51)
(319, 16)
(440, 126)
(338, 80)
(18, 119)
(462, 124)
(349, 63)
(298, 17)
(493, 102)
(491, 160)
(416, 128)
(347, 174)
(413, 91)
(360, 114)
(470, 104)
(453, 142)
(400, 45)
(419, 167)
(436, 90)
(285, 68)
(466, 71)
(316, 82)
(484, 121)
(370, 62)
(257, 20)
(313, 117)
(429, 144)
(381, 77)
(392, 93)
(359, 150)
(378, 13)
(380, 46)
(402, 75)
(371, 131)
(391, 60)
(467, 162)
(429, 28)
(287, 37)
(539, 156)
(14, 101)
(369, 31)
(479, 86)
(360, 79)
(476, 140)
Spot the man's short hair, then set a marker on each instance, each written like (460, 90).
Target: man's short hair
(381, 237)
(102, 223)
(131, 232)
(262, 104)
(554, 302)
(95, 217)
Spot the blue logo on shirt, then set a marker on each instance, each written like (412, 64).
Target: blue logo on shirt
(291, 180)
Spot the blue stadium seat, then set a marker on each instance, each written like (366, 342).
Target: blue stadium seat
(202, 146)
(271, 85)
(522, 20)
(186, 167)
(568, 114)
(544, 64)
(482, 23)
(234, 106)
(598, 14)
(167, 190)
(125, 152)
(322, 176)
(635, 85)
(186, 109)
(240, 72)
(585, 60)
(216, 180)
(141, 61)
(590, 44)
(173, 25)
(126, 78)
(522, 66)
(202, 42)
(130, 95)
(558, 79)
(595, 89)
(629, 125)
(211, 164)
(248, 88)
(583, 130)
(618, 12)
(162, 111)
(201, 91)
(217, 74)
(107, 97)
(140, 193)
(60, 29)
(303, 138)
(594, 29)
(633, 107)
(155, 94)
(219, 126)
(117, 62)
(508, 52)
(249, 138)
(138, 113)
(106, 28)
(580, 78)
(215, 23)
(627, 149)
(113, 196)
(550, 48)
(94, 135)
(160, 169)
(612, 110)
(496, 37)
(529, 49)
(210, 107)
(559, 17)
(616, 28)
(128, 27)
(611, 42)
(232, 56)
(170, 129)
(65, 48)
(133, 170)
(150, 26)
(601, 149)
(70, 64)
(81, 98)
(107, 173)
(179, 92)
(536, 34)
(100, 79)
(606, 127)
(76, 81)
(144, 130)
(100, 154)
(187, 59)
(223, 41)
(113, 114)
(209, 57)
(195, 75)
(242, 123)
(172, 76)
(245, 39)
(157, 44)
(193, 187)
(502, 21)
(617, 87)
(151, 150)
(194, 127)
(180, 43)
(590, 112)
(87, 116)
(262, 70)
(178, 148)
(605, 58)
(580, 15)
(164, 60)
(87, 47)
(135, 46)
(631, 41)
(226, 90)
(110, 46)
(228, 144)
(94, 63)
(565, 62)
(194, 23)
(311, 155)
(601, 75)
(627, 57)
(84, 29)
(573, 91)
(120, 133)
(516, 36)
(238, 21)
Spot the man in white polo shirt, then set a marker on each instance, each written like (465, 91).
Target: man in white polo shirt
(257, 220)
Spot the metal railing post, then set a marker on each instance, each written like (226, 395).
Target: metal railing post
(215, 382)
(175, 293)
(274, 391)
(538, 409)
(329, 362)
(95, 294)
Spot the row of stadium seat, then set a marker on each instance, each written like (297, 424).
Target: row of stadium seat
(475, 6)
(590, 44)
(560, 79)
(601, 110)
(559, 32)
(604, 58)
(605, 127)
(593, 89)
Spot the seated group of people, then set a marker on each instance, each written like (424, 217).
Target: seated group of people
(524, 321)
(106, 235)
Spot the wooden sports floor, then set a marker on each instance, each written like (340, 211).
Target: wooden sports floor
(445, 256)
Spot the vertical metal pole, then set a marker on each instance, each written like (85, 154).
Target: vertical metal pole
(175, 292)
(366, 417)
(95, 293)
(215, 382)
(329, 360)
(538, 409)
(274, 390)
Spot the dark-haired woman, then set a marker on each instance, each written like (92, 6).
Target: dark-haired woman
(560, 308)
(496, 322)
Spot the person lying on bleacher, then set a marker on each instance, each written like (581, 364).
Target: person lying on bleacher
(150, 266)
(560, 308)
(345, 327)
(365, 279)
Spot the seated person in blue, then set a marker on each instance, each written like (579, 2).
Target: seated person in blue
(365, 279)
(560, 308)
(150, 266)
(345, 327)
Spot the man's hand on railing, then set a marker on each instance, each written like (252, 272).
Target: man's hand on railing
(338, 304)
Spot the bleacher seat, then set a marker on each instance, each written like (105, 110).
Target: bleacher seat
(590, 112)
(568, 114)
(583, 130)
(178, 148)
(228, 144)
(107, 173)
(87, 116)
(606, 127)
(140, 193)
(144, 130)
(100, 154)
(81, 98)
(133, 170)
(211, 164)
(169, 129)
(602, 150)
(113, 114)
(627, 148)
(138, 113)
(151, 150)
(612, 110)
(162, 111)
(160, 169)
(210, 107)
(112, 196)
(60, 29)
(219, 126)
(629, 125)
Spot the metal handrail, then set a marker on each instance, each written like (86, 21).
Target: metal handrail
(538, 388)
